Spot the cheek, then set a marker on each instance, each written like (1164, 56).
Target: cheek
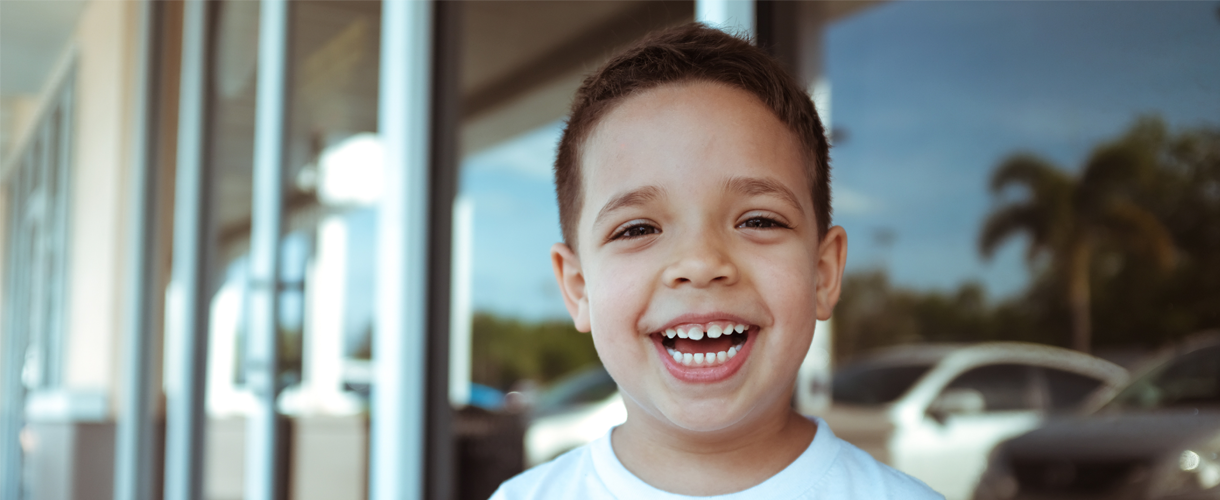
(786, 279)
(613, 308)
(618, 292)
(787, 276)
(618, 297)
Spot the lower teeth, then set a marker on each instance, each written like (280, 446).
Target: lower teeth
(696, 359)
(706, 359)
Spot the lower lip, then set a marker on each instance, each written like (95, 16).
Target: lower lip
(705, 374)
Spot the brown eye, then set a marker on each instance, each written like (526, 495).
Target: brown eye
(761, 223)
(636, 230)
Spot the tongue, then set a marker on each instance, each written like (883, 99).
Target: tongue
(703, 346)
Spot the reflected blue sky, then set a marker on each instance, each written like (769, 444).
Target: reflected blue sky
(516, 221)
(931, 96)
(362, 273)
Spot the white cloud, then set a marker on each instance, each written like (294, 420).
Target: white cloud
(847, 201)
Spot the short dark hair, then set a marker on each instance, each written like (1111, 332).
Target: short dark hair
(689, 53)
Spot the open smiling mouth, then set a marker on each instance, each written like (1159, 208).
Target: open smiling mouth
(705, 345)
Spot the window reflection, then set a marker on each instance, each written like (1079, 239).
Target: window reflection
(933, 102)
(516, 337)
(326, 298)
(1190, 382)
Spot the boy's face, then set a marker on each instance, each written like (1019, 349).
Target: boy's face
(698, 215)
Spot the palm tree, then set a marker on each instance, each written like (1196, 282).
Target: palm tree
(1069, 217)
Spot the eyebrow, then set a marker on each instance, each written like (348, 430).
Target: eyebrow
(635, 197)
(753, 186)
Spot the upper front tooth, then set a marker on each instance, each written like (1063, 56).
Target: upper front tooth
(695, 333)
(681, 333)
(670, 333)
(714, 331)
(739, 328)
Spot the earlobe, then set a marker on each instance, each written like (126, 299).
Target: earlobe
(832, 258)
(571, 280)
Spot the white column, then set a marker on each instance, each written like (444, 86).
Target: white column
(819, 91)
(733, 16)
(818, 370)
(460, 309)
(814, 376)
(224, 397)
(400, 338)
(326, 288)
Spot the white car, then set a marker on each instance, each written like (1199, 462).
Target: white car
(936, 411)
(576, 410)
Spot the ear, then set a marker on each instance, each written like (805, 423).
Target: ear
(832, 257)
(571, 284)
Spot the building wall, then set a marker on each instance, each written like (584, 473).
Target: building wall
(105, 42)
(71, 429)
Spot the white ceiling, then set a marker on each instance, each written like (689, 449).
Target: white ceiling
(33, 34)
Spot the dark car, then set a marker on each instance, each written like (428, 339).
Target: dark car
(1157, 438)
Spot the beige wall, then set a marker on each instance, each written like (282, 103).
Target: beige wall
(105, 42)
(18, 113)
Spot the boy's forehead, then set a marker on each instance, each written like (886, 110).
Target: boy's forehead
(678, 136)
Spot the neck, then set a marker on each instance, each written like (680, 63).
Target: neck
(710, 463)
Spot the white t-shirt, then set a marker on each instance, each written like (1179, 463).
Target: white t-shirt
(830, 468)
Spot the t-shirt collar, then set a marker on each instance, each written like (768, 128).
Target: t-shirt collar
(802, 475)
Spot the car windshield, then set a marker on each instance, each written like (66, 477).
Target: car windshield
(870, 384)
(1188, 381)
(579, 388)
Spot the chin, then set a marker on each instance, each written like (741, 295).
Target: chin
(703, 416)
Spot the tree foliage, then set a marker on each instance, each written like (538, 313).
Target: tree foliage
(873, 313)
(507, 350)
(1148, 206)
(1070, 219)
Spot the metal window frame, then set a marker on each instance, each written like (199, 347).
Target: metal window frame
(412, 449)
(135, 471)
(445, 121)
(50, 139)
(265, 457)
(188, 294)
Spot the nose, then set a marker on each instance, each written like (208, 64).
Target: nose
(701, 262)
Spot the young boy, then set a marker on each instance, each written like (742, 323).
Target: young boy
(694, 198)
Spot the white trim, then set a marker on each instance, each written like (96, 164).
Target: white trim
(65, 405)
(47, 100)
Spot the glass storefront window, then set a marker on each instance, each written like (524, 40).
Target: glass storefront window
(331, 185)
(526, 368)
(932, 100)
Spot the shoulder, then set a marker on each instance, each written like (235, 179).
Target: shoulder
(856, 474)
(570, 475)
